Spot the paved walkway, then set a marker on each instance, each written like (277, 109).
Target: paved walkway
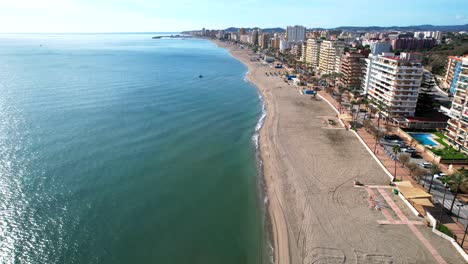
(401, 173)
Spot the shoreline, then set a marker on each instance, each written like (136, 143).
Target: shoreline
(314, 212)
(275, 220)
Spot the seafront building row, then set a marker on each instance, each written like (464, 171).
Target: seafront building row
(367, 65)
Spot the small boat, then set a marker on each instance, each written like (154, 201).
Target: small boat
(200, 76)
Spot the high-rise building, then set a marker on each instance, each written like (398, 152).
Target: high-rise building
(329, 50)
(380, 47)
(242, 31)
(203, 32)
(352, 68)
(452, 72)
(457, 126)
(303, 52)
(296, 34)
(313, 52)
(394, 82)
(275, 43)
(254, 39)
(264, 40)
(296, 50)
(284, 45)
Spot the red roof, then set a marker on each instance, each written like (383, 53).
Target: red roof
(428, 119)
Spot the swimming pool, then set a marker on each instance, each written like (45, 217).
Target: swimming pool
(424, 138)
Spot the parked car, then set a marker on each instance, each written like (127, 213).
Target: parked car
(438, 176)
(425, 165)
(415, 155)
(410, 150)
(392, 137)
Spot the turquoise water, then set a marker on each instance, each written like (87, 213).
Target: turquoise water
(424, 138)
(112, 150)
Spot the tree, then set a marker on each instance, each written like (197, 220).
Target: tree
(396, 149)
(456, 180)
(434, 170)
(365, 102)
(412, 167)
(388, 129)
(339, 99)
(404, 159)
(419, 173)
(368, 126)
(445, 181)
(377, 135)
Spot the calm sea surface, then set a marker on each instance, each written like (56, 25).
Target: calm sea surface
(113, 150)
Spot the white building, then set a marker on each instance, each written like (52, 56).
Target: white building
(457, 126)
(296, 34)
(284, 45)
(394, 82)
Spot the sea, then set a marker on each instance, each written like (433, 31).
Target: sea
(120, 148)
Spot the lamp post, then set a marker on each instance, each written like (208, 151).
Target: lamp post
(466, 229)
(443, 204)
(460, 205)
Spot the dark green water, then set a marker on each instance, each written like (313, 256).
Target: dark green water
(112, 150)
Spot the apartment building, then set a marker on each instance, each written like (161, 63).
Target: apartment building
(457, 126)
(329, 50)
(313, 52)
(352, 67)
(452, 72)
(394, 82)
(296, 34)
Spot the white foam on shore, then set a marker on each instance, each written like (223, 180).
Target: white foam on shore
(246, 78)
(260, 122)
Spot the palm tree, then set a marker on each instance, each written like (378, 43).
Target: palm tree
(366, 103)
(396, 149)
(456, 181)
(445, 181)
(339, 99)
(434, 170)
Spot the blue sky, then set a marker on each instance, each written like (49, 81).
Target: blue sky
(177, 15)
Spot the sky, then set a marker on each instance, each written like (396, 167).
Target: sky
(37, 16)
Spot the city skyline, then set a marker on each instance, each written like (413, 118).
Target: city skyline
(158, 16)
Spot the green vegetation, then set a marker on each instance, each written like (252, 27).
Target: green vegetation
(435, 59)
(448, 152)
(442, 228)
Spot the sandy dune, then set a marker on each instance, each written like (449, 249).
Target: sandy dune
(317, 215)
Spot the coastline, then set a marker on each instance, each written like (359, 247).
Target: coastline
(314, 211)
(276, 220)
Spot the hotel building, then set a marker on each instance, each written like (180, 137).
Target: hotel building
(457, 126)
(394, 82)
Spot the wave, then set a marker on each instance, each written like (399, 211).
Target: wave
(260, 122)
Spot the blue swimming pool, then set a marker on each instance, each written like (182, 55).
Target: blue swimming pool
(424, 138)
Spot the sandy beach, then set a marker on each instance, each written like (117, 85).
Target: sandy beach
(316, 212)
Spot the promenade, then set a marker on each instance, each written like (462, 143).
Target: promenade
(403, 174)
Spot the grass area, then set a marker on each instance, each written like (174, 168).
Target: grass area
(442, 228)
(446, 153)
